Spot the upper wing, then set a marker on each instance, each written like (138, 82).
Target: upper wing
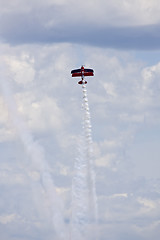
(88, 70)
(77, 72)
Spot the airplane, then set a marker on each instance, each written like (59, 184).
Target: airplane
(82, 72)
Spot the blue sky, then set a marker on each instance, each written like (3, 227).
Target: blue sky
(41, 118)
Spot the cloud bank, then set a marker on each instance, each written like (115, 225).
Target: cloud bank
(125, 26)
(123, 98)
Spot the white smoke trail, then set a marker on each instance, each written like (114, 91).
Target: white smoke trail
(37, 156)
(89, 156)
(84, 200)
(80, 196)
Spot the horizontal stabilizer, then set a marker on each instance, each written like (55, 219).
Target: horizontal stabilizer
(82, 82)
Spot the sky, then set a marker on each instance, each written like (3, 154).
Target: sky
(41, 114)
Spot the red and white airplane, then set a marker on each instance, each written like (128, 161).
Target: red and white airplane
(82, 72)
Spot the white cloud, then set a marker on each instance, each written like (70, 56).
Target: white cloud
(102, 12)
(43, 114)
(121, 96)
(139, 118)
(7, 218)
(6, 130)
(10, 177)
(149, 207)
(22, 69)
(110, 89)
(117, 195)
(112, 24)
(137, 12)
(148, 204)
(105, 161)
(3, 110)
